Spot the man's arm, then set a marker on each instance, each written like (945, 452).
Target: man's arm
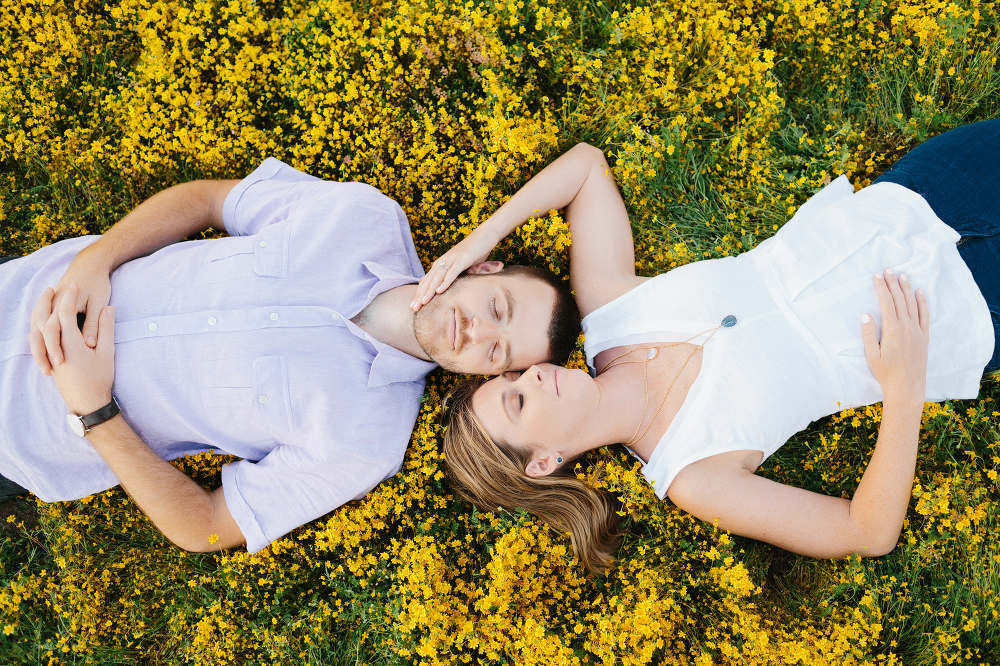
(164, 218)
(191, 517)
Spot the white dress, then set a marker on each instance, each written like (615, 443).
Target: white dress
(795, 353)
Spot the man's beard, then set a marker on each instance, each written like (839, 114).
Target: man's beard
(428, 337)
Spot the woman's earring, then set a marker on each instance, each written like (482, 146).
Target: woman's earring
(559, 459)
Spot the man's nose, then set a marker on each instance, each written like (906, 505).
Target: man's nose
(480, 331)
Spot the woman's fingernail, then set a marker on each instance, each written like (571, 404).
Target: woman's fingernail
(878, 276)
(920, 291)
(413, 304)
(888, 271)
(91, 340)
(865, 318)
(902, 277)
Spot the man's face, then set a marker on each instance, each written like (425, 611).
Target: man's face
(487, 324)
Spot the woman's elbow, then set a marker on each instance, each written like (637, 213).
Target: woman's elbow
(879, 546)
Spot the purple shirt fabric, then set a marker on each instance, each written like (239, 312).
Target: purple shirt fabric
(240, 345)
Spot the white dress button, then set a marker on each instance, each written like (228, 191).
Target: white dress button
(335, 316)
(212, 321)
(262, 398)
(263, 243)
(152, 327)
(274, 316)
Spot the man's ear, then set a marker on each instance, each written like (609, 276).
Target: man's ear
(485, 268)
(540, 467)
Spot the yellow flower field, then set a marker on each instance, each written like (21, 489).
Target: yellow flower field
(719, 119)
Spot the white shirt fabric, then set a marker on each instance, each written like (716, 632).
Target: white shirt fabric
(240, 345)
(796, 352)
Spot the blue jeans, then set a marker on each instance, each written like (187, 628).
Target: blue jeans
(958, 173)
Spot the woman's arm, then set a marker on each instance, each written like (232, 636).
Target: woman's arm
(601, 256)
(817, 525)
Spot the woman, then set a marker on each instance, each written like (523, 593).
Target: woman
(706, 370)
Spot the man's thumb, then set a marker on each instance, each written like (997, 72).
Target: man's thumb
(106, 331)
(89, 328)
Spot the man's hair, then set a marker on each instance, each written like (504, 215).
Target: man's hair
(565, 326)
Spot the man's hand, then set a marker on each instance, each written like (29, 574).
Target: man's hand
(85, 376)
(93, 280)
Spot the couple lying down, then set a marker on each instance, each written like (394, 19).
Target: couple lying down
(886, 294)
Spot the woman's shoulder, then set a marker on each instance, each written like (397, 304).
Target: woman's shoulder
(602, 292)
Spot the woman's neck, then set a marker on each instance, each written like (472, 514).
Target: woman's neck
(641, 395)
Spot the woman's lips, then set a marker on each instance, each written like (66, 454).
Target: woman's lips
(555, 378)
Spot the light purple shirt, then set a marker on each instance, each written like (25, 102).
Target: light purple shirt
(240, 345)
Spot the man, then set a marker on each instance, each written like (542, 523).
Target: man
(292, 344)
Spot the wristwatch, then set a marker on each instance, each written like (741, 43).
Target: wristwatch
(81, 424)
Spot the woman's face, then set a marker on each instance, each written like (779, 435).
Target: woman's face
(547, 409)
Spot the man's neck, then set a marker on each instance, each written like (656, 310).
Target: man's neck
(389, 319)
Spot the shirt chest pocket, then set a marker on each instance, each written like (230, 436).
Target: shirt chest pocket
(245, 394)
(262, 255)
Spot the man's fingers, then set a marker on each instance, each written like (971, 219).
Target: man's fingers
(70, 336)
(90, 324)
(51, 336)
(106, 333)
(39, 315)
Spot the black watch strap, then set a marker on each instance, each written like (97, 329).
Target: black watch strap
(105, 413)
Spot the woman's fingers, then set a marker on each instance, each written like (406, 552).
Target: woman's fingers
(869, 333)
(923, 312)
(429, 283)
(898, 300)
(911, 302)
(39, 316)
(885, 302)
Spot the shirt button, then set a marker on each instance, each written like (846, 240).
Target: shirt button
(262, 399)
(335, 316)
(152, 327)
(274, 316)
(263, 243)
(212, 321)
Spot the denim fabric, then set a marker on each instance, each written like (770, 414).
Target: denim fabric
(958, 173)
(9, 489)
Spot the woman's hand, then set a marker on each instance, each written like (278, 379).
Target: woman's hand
(470, 253)
(899, 359)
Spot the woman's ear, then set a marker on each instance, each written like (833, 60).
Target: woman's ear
(540, 467)
(485, 268)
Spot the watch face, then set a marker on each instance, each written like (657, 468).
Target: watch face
(76, 425)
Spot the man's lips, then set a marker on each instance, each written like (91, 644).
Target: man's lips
(555, 379)
(454, 330)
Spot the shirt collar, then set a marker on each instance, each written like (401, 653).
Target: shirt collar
(390, 365)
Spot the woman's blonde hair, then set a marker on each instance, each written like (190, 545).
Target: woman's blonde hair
(490, 474)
